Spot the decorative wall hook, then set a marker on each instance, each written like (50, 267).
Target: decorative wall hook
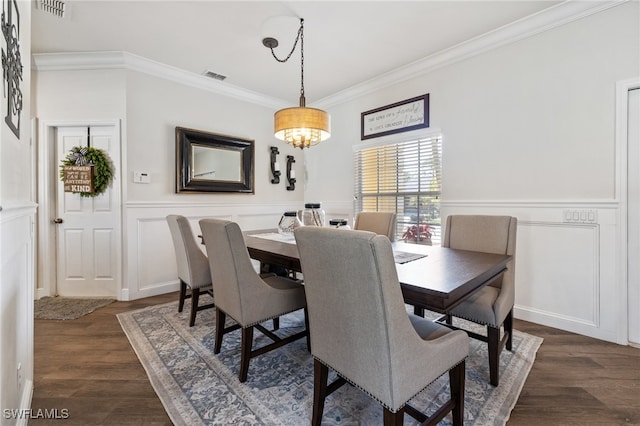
(12, 68)
(275, 167)
(291, 174)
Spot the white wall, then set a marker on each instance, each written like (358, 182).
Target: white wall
(149, 108)
(528, 131)
(17, 244)
(154, 108)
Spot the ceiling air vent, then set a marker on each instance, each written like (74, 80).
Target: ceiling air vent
(214, 75)
(54, 7)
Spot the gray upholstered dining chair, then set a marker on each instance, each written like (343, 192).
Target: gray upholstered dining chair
(360, 328)
(193, 267)
(382, 223)
(248, 298)
(493, 304)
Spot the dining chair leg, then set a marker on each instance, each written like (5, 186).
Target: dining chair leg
(417, 310)
(195, 297)
(393, 419)
(493, 339)
(508, 328)
(221, 318)
(276, 323)
(456, 383)
(449, 319)
(183, 295)
(320, 377)
(245, 354)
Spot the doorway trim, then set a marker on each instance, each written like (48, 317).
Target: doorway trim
(622, 98)
(47, 169)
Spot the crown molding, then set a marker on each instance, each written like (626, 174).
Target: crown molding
(558, 15)
(124, 60)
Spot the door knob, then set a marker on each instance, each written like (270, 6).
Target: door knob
(58, 220)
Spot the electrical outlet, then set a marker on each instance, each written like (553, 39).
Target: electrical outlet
(580, 215)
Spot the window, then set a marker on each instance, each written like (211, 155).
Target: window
(403, 177)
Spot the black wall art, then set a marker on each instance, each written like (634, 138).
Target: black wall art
(12, 64)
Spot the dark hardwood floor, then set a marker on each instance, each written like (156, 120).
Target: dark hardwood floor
(87, 367)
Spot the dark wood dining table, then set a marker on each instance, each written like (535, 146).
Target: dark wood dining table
(438, 281)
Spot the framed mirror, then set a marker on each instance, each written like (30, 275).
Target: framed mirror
(208, 162)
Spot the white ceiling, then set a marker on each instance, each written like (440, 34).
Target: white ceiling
(345, 42)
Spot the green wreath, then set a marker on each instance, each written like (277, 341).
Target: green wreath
(102, 167)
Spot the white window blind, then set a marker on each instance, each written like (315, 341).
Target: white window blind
(406, 178)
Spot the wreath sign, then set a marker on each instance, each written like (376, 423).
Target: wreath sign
(96, 158)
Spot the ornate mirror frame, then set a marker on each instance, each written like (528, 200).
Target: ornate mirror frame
(229, 162)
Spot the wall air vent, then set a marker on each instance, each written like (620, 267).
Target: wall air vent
(214, 75)
(55, 7)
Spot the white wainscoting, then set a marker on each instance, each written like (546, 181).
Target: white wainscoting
(566, 272)
(150, 266)
(17, 283)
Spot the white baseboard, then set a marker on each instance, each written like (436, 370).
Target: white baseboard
(25, 402)
(41, 292)
(155, 290)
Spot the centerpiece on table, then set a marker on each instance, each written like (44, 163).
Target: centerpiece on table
(418, 234)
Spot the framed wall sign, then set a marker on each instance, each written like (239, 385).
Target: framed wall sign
(402, 116)
(78, 178)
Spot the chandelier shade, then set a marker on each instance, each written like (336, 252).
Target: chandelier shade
(299, 126)
(302, 127)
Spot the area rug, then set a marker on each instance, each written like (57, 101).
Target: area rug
(197, 387)
(66, 308)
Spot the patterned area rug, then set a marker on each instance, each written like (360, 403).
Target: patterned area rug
(197, 387)
(66, 308)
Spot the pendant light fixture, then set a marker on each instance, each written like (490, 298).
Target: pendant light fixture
(299, 126)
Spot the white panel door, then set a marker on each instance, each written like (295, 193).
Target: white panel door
(88, 232)
(633, 215)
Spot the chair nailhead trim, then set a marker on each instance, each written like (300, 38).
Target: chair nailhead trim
(375, 398)
(267, 319)
(476, 321)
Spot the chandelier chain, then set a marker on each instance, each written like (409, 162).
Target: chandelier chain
(301, 32)
(299, 37)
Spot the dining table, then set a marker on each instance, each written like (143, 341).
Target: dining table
(431, 277)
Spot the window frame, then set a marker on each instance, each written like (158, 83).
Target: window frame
(399, 197)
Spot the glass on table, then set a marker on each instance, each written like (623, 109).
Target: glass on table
(313, 215)
(339, 224)
(288, 222)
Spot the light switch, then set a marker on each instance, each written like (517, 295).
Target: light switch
(141, 177)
